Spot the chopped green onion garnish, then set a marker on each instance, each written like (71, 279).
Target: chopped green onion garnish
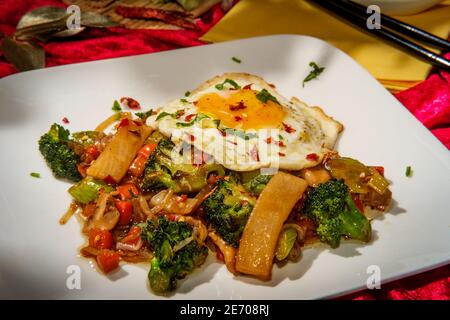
(265, 96)
(35, 175)
(198, 117)
(237, 60)
(187, 93)
(241, 134)
(184, 100)
(144, 115)
(221, 86)
(162, 115)
(116, 106)
(314, 73)
(280, 137)
(408, 172)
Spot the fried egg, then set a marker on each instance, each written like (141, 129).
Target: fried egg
(245, 124)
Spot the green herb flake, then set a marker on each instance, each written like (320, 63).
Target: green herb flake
(63, 134)
(162, 115)
(144, 115)
(184, 100)
(241, 134)
(187, 93)
(314, 73)
(198, 118)
(116, 106)
(221, 86)
(265, 96)
(280, 137)
(35, 175)
(237, 60)
(408, 171)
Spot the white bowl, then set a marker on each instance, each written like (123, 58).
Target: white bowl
(401, 7)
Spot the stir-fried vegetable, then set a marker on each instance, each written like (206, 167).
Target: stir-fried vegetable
(259, 239)
(285, 243)
(351, 171)
(169, 264)
(138, 165)
(228, 209)
(166, 168)
(62, 160)
(87, 190)
(257, 184)
(87, 138)
(115, 160)
(108, 260)
(377, 182)
(331, 206)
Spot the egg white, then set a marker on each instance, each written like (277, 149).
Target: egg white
(315, 132)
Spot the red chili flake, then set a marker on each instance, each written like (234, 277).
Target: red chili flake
(238, 106)
(358, 202)
(171, 217)
(379, 169)
(109, 180)
(183, 198)
(82, 168)
(312, 157)
(237, 118)
(131, 103)
(223, 133)
(123, 123)
(195, 103)
(272, 86)
(65, 120)
(268, 140)
(219, 256)
(288, 128)
(281, 154)
(179, 114)
(248, 87)
(254, 153)
(191, 137)
(189, 117)
(281, 144)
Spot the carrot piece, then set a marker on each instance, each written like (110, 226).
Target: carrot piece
(259, 239)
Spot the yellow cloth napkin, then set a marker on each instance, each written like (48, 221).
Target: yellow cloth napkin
(250, 18)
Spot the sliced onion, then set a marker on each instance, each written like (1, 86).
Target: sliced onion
(129, 246)
(180, 245)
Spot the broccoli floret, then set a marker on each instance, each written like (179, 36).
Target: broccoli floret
(157, 176)
(61, 159)
(228, 209)
(168, 266)
(166, 168)
(331, 206)
(257, 184)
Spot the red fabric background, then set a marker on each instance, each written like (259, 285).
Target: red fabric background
(428, 101)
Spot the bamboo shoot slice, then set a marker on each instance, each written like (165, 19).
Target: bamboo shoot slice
(259, 239)
(115, 160)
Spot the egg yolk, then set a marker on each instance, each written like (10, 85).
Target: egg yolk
(241, 109)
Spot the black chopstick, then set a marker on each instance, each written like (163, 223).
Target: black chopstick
(405, 28)
(358, 19)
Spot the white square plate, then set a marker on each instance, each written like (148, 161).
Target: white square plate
(36, 252)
